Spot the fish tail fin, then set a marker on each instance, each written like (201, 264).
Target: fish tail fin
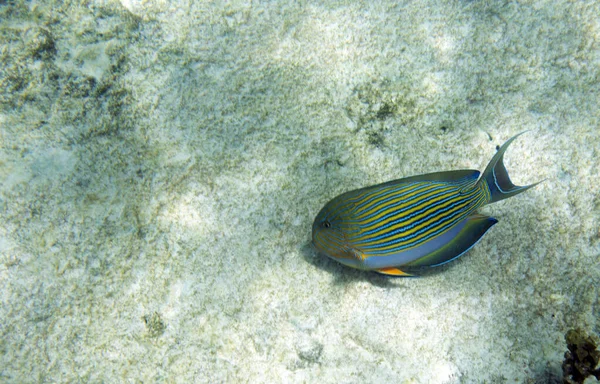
(497, 179)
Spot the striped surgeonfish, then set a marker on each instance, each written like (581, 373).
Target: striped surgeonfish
(406, 226)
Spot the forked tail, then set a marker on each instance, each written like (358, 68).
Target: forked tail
(497, 179)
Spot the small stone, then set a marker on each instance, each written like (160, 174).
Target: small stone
(309, 350)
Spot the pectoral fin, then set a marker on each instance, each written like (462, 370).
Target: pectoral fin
(473, 228)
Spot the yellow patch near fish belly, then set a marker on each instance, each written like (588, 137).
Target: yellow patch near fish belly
(392, 272)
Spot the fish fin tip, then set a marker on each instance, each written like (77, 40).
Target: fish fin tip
(483, 218)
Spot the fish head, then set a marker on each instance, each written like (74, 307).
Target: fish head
(330, 232)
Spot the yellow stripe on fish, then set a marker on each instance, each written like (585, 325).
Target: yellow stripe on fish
(414, 223)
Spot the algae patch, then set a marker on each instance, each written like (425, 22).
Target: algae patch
(581, 360)
(155, 325)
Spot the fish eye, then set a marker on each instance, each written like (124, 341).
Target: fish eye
(325, 224)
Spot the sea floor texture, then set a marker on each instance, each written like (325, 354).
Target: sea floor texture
(161, 164)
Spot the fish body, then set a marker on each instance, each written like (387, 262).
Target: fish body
(415, 223)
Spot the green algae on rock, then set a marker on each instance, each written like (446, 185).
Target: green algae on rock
(582, 357)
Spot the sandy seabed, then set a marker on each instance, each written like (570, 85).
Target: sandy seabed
(161, 165)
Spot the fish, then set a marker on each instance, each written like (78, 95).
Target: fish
(405, 227)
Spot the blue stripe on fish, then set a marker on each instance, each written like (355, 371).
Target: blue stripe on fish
(417, 222)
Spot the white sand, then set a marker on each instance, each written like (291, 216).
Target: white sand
(161, 166)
